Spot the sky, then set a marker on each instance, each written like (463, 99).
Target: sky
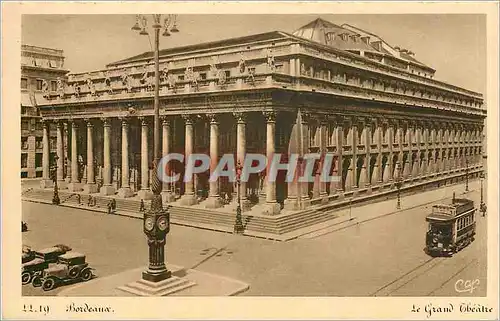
(454, 45)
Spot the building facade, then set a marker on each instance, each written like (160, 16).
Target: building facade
(326, 89)
(41, 69)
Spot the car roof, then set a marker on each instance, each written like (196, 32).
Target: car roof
(71, 255)
(49, 250)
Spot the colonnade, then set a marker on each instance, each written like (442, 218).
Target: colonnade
(368, 153)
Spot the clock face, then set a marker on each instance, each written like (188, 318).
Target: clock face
(162, 223)
(149, 224)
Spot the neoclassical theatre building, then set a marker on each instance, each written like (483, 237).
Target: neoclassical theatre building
(323, 89)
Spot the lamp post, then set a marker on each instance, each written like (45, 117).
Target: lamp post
(55, 197)
(156, 220)
(238, 224)
(482, 205)
(466, 174)
(399, 183)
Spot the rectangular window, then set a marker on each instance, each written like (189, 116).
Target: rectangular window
(251, 71)
(228, 73)
(181, 77)
(39, 142)
(38, 159)
(24, 143)
(203, 75)
(24, 83)
(24, 125)
(39, 83)
(53, 85)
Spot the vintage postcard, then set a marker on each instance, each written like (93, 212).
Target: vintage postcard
(260, 160)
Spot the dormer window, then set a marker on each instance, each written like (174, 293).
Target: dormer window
(330, 36)
(344, 36)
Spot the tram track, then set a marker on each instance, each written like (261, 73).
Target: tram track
(409, 276)
(453, 276)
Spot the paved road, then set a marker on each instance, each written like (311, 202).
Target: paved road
(380, 257)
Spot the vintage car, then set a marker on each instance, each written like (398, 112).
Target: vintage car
(70, 267)
(27, 254)
(41, 261)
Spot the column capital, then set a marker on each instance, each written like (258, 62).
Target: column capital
(165, 120)
(124, 121)
(213, 118)
(89, 122)
(270, 116)
(241, 117)
(106, 121)
(144, 121)
(188, 119)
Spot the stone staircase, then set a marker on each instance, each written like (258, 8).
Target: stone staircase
(284, 226)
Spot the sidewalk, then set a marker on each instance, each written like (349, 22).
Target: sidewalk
(368, 212)
(205, 284)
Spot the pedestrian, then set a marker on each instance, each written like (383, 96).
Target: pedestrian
(109, 207)
(142, 208)
(113, 204)
(89, 202)
(94, 201)
(79, 199)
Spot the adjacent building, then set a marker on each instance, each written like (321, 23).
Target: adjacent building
(41, 69)
(326, 88)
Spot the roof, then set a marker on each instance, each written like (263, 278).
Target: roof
(439, 217)
(318, 29)
(71, 255)
(49, 250)
(204, 46)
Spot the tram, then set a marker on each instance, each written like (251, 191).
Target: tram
(451, 227)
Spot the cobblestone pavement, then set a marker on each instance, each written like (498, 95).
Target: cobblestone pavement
(381, 256)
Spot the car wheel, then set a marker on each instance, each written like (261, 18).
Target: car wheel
(48, 284)
(37, 281)
(86, 274)
(25, 277)
(73, 273)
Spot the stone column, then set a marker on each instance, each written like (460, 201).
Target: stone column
(365, 170)
(189, 197)
(213, 200)
(145, 193)
(90, 186)
(46, 181)
(291, 202)
(271, 206)
(67, 153)
(354, 148)
(304, 199)
(60, 155)
(125, 190)
(339, 132)
(107, 188)
(75, 184)
(168, 190)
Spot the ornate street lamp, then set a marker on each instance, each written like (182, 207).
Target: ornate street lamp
(238, 224)
(399, 183)
(466, 174)
(157, 219)
(55, 197)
